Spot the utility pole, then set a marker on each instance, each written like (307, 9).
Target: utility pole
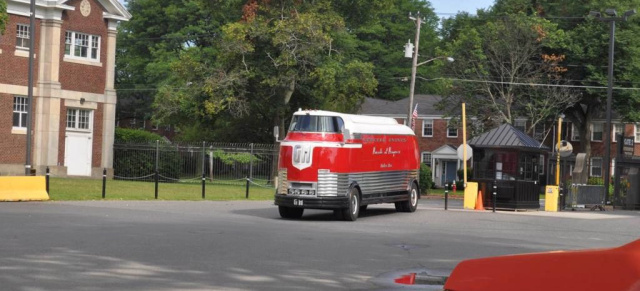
(607, 130)
(32, 40)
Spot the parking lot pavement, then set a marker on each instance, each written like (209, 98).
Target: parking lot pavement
(245, 245)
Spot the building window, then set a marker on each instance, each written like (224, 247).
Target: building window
(79, 119)
(520, 125)
(82, 45)
(22, 36)
(426, 158)
(427, 127)
(617, 129)
(451, 130)
(637, 133)
(20, 112)
(596, 167)
(538, 132)
(596, 132)
(575, 133)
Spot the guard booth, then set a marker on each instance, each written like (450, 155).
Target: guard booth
(513, 162)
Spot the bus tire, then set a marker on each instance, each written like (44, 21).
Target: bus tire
(412, 204)
(290, 212)
(351, 213)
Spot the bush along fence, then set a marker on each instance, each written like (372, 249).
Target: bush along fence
(216, 163)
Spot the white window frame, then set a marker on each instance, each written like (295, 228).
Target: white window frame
(22, 36)
(426, 122)
(448, 128)
(591, 167)
(593, 130)
(615, 128)
(575, 133)
(428, 163)
(20, 104)
(75, 122)
(93, 42)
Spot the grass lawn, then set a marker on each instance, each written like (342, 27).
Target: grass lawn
(88, 189)
(440, 192)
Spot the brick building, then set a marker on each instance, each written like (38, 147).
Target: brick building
(438, 140)
(74, 98)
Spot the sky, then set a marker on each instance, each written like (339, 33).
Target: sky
(448, 8)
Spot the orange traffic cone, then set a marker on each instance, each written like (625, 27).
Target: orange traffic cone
(479, 204)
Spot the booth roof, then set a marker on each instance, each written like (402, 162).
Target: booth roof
(507, 136)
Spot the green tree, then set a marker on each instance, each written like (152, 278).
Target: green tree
(3, 15)
(158, 33)
(496, 55)
(281, 56)
(586, 54)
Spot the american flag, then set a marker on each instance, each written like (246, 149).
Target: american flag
(414, 116)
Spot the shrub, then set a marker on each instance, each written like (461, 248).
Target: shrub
(135, 136)
(136, 157)
(425, 178)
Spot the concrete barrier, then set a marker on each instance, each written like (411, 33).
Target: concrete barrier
(23, 188)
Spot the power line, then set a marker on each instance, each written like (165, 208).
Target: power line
(528, 84)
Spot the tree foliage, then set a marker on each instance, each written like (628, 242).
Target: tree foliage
(281, 55)
(3, 15)
(502, 62)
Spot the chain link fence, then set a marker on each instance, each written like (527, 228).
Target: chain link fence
(218, 163)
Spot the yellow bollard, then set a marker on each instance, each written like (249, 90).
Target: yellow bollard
(551, 198)
(470, 195)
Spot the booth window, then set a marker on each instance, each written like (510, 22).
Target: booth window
(312, 123)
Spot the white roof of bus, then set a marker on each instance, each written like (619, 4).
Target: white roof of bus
(364, 124)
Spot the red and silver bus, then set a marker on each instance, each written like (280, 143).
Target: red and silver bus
(345, 162)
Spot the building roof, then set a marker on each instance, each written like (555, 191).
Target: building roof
(51, 9)
(426, 106)
(507, 136)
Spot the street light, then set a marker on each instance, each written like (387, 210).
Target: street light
(410, 52)
(607, 141)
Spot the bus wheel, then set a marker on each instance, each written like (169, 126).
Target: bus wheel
(412, 204)
(290, 212)
(351, 213)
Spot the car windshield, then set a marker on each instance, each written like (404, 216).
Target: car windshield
(314, 123)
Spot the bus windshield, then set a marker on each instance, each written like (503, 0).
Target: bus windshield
(314, 123)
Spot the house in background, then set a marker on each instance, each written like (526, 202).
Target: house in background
(438, 139)
(74, 97)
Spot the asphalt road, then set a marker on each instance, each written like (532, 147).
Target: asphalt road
(244, 245)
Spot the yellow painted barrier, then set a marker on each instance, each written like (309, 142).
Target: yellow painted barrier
(22, 188)
(470, 195)
(551, 198)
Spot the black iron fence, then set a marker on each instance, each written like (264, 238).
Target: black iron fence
(220, 163)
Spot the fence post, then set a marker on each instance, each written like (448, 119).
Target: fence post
(251, 163)
(247, 191)
(495, 195)
(446, 196)
(156, 170)
(203, 170)
(104, 182)
(47, 180)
